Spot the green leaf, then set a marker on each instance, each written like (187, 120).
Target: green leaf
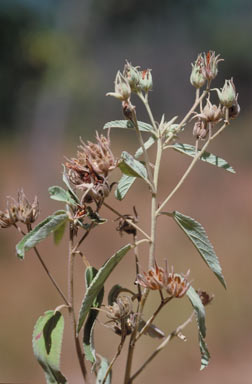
(88, 335)
(200, 317)
(40, 232)
(47, 340)
(197, 234)
(151, 140)
(126, 181)
(132, 167)
(104, 364)
(205, 355)
(127, 124)
(123, 186)
(207, 157)
(98, 282)
(60, 194)
(71, 191)
(59, 233)
(199, 309)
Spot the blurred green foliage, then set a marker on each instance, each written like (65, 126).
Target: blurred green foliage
(76, 48)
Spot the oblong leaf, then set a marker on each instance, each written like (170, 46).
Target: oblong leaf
(127, 124)
(88, 335)
(200, 317)
(104, 364)
(197, 234)
(59, 233)
(132, 167)
(60, 194)
(40, 232)
(199, 309)
(98, 282)
(123, 186)
(209, 158)
(205, 355)
(47, 341)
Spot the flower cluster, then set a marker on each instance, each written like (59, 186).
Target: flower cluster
(20, 210)
(89, 170)
(158, 278)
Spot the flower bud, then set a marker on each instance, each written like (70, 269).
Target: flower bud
(122, 88)
(197, 78)
(200, 129)
(145, 81)
(132, 75)
(227, 95)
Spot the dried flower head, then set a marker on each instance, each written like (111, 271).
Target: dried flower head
(20, 210)
(176, 285)
(210, 114)
(205, 297)
(89, 171)
(152, 279)
(158, 278)
(120, 309)
(27, 213)
(200, 129)
(210, 65)
(9, 216)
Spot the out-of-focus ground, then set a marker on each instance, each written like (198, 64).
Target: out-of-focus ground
(58, 62)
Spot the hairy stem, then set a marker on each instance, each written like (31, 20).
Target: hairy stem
(71, 302)
(152, 318)
(187, 172)
(146, 157)
(45, 267)
(119, 349)
(154, 204)
(162, 346)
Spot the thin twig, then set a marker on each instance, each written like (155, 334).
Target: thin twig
(119, 349)
(161, 347)
(152, 318)
(71, 301)
(45, 268)
(195, 159)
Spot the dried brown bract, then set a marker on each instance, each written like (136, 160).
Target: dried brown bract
(27, 213)
(205, 297)
(9, 216)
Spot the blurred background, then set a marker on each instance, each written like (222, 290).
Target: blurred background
(58, 60)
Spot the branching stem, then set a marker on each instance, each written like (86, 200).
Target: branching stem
(161, 347)
(187, 172)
